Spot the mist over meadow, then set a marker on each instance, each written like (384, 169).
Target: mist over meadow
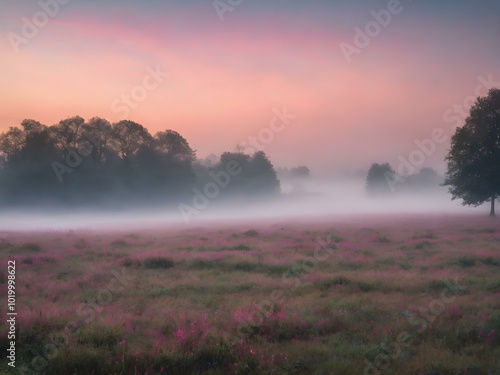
(89, 174)
(249, 187)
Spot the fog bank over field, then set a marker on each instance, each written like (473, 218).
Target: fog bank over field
(299, 200)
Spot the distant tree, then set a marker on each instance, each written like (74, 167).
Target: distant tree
(30, 176)
(425, 179)
(474, 157)
(98, 133)
(378, 179)
(129, 137)
(242, 159)
(299, 172)
(12, 142)
(428, 177)
(174, 146)
(209, 161)
(39, 144)
(257, 176)
(77, 162)
(67, 133)
(262, 174)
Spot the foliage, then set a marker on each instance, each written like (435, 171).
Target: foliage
(474, 157)
(158, 262)
(93, 162)
(377, 181)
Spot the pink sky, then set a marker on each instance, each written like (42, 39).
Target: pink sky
(225, 78)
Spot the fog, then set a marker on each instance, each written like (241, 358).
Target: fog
(312, 198)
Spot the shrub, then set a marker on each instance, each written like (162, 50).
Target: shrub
(493, 287)
(82, 244)
(429, 235)
(436, 285)
(244, 266)
(119, 243)
(339, 280)
(466, 261)
(158, 262)
(33, 247)
(158, 292)
(6, 246)
(337, 239)
(365, 286)
(241, 247)
(127, 262)
(251, 233)
(383, 239)
(423, 244)
(491, 262)
(99, 336)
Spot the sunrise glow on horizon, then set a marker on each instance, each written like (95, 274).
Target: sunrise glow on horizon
(226, 77)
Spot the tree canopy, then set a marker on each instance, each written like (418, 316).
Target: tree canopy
(98, 163)
(377, 179)
(474, 156)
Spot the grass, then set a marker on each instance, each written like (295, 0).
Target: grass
(119, 243)
(158, 263)
(30, 247)
(383, 239)
(466, 261)
(229, 300)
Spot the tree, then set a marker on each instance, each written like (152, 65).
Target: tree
(426, 180)
(129, 137)
(264, 179)
(97, 132)
(378, 179)
(174, 146)
(474, 156)
(12, 142)
(67, 133)
(300, 172)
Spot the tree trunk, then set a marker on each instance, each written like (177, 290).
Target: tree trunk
(492, 213)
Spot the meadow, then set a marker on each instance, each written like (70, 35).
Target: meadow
(360, 295)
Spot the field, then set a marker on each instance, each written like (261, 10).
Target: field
(387, 295)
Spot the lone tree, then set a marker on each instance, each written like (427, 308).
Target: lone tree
(474, 157)
(378, 180)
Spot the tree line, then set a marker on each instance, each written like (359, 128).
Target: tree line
(473, 160)
(98, 163)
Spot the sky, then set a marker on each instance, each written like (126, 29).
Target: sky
(219, 73)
